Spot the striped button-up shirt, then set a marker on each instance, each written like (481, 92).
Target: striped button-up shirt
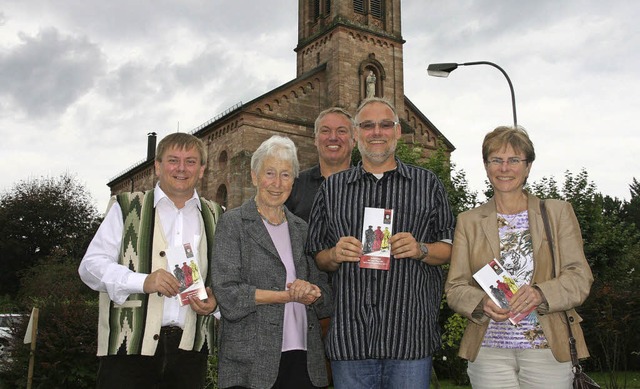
(383, 314)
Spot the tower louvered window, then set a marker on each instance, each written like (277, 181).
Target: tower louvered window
(373, 7)
(321, 8)
(316, 9)
(376, 8)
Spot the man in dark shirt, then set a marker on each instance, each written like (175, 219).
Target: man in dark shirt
(385, 325)
(333, 132)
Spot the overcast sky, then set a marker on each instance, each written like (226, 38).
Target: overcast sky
(83, 82)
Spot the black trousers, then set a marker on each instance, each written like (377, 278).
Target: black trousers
(170, 367)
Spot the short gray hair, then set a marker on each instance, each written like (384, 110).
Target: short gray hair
(380, 100)
(277, 146)
(337, 110)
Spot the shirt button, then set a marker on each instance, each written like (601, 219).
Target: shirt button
(162, 253)
(156, 337)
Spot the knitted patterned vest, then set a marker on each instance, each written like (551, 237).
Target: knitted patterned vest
(122, 327)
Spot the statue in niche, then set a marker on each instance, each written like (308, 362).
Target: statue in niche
(371, 85)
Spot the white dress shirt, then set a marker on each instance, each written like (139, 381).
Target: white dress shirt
(101, 271)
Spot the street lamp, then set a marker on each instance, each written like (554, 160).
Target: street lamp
(443, 70)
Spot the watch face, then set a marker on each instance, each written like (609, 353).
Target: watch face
(424, 249)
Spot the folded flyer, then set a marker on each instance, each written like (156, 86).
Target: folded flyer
(500, 286)
(376, 232)
(184, 266)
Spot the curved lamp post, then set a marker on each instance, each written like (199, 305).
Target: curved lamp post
(443, 70)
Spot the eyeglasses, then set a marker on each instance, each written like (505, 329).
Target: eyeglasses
(513, 161)
(382, 124)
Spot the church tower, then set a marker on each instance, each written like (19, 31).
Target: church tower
(360, 41)
(347, 50)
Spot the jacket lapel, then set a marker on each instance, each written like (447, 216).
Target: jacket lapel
(297, 232)
(489, 225)
(538, 237)
(536, 227)
(255, 227)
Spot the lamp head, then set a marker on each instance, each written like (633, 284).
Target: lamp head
(441, 69)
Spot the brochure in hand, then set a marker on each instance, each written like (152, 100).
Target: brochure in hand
(376, 231)
(184, 266)
(500, 286)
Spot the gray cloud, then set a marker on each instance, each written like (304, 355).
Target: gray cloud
(100, 75)
(47, 72)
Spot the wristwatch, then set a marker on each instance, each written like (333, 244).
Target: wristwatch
(424, 251)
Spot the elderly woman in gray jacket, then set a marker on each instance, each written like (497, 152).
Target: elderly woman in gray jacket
(270, 293)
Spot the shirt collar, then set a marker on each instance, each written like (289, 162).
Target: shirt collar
(358, 173)
(315, 173)
(158, 195)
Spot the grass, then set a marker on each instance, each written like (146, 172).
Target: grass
(604, 379)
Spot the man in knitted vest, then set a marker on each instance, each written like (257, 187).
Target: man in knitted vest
(146, 339)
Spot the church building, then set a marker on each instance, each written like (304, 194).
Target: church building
(347, 50)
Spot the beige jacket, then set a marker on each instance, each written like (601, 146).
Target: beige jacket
(476, 243)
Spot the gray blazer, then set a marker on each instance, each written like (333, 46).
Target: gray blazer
(244, 259)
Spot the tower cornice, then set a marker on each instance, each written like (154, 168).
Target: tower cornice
(349, 24)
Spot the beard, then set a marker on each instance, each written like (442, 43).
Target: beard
(378, 156)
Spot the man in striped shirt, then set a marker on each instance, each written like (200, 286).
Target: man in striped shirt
(385, 325)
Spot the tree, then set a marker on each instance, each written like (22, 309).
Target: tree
(38, 217)
(45, 227)
(631, 209)
(67, 327)
(454, 181)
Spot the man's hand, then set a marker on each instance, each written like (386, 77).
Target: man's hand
(348, 249)
(204, 307)
(404, 245)
(163, 282)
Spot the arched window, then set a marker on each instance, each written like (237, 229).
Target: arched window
(221, 196)
(222, 160)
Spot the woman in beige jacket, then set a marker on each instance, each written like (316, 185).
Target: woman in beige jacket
(509, 228)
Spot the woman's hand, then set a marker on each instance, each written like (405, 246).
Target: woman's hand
(304, 292)
(526, 297)
(493, 311)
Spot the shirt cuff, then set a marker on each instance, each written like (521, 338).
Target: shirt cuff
(135, 282)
